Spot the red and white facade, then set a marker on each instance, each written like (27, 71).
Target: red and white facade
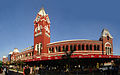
(82, 48)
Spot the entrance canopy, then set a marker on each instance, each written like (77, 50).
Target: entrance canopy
(74, 56)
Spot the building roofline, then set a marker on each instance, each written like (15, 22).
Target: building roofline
(70, 41)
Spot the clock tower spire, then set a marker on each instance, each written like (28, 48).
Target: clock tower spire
(41, 32)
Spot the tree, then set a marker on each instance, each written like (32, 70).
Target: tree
(67, 56)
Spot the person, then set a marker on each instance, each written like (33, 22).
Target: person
(6, 70)
(108, 71)
(27, 70)
(113, 70)
(39, 71)
(1, 70)
(116, 70)
(23, 70)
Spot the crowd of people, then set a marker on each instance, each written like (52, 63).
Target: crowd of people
(27, 70)
(4, 69)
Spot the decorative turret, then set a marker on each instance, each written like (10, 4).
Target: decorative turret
(16, 50)
(105, 33)
(107, 42)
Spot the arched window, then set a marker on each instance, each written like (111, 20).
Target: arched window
(66, 47)
(107, 37)
(87, 48)
(79, 47)
(59, 48)
(36, 29)
(106, 50)
(37, 48)
(52, 49)
(40, 47)
(63, 48)
(71, 48)
(90, 47)
(25, 55)
(110, 50)
(56, 49)
(83, 47)
(74, 48)
(94, 47)
(98, 47)
(40, 28)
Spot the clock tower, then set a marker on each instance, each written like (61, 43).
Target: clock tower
(41, 32)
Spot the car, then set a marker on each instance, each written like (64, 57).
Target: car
(105, 68)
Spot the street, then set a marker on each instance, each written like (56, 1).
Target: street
(3, 73)
(59, 73)
(11, 73)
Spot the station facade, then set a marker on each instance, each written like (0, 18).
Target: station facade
(44, 50)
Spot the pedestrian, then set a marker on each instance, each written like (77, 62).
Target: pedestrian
(113, 70)
(116, 70)
(39, 71)
(23, 70)
(27, 70)
(108, 71)
(1, 70)
(6, 70)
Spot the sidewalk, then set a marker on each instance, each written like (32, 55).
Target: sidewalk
(16, 71)
(3, 73)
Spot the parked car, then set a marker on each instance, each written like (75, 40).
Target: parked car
(105, 68)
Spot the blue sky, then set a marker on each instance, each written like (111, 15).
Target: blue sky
(70, 19)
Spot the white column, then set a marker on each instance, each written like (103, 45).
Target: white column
(39, 48)
(55, 49)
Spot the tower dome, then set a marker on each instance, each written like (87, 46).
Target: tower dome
(10, 52)
(16, 50)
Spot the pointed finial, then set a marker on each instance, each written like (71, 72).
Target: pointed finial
(42, 12)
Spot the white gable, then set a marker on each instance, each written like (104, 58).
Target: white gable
(105, 32)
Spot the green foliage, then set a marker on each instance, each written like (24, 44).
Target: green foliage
(0, 63)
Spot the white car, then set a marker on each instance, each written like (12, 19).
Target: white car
(104, 68)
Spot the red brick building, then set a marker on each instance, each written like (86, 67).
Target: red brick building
(44, 50)
(43, 47)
